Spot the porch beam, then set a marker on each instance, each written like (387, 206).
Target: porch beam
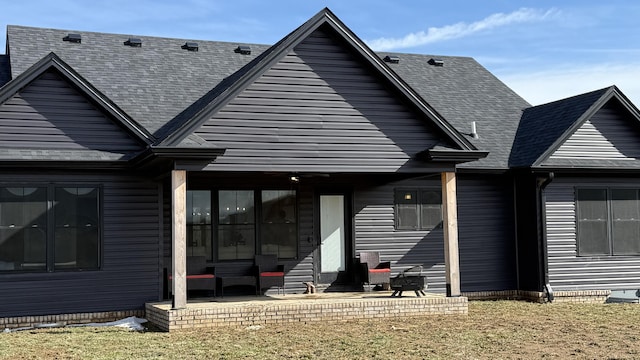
(179, 238)
(450, 225)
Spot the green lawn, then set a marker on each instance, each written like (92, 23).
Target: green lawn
(501, 329)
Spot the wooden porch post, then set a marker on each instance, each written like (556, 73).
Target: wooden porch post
(450, 225)
(179, 237)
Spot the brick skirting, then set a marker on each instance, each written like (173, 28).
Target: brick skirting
(300, 311)
(66, 319)
(582, 296)
(575, 296)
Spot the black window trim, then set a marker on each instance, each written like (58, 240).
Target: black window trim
(608, 189)
(50, 235)
(419, 190)
(257, 198)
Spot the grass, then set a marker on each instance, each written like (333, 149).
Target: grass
(492, 330)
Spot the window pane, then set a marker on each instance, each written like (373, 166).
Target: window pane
(278, 229)
(23, 221)
(592, 222)
(431, 209)
(236, 242)
(626, 221)
(406, 209)
(77, 230)
(199, 224)
(236, 224)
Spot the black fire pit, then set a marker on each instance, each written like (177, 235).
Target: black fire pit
(411, 279)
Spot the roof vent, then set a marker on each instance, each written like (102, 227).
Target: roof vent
(191, 46)
(134, 42)
(243, 49)
(392, 59)
(436, 62)
(74, 38)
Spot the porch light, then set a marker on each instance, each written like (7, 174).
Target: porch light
(294, 179)
(407, 196)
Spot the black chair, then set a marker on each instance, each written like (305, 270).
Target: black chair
(372, 271)
(269, 272)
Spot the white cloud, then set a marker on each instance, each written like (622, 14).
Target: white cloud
(461, 29)
(540, 87)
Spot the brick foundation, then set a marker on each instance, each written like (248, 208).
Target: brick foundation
(65, 319)
(305, 311)
(582, 296)
(533, 296)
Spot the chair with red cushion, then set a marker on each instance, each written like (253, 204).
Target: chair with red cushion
(269, 272)
(372, 271)
(199, 275)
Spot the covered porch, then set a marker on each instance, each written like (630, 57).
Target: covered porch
(299, 308)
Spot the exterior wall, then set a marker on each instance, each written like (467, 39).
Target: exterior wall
(318, 109)
(485, 230)
(567, 271)
(129, 275)
(486, 233)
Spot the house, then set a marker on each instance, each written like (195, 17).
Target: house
(122, 155)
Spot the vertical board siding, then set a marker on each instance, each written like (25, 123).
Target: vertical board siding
(50, 114)
(486, 233)
(607, 135)
(317, 109)
(130, 267)
(567, 271)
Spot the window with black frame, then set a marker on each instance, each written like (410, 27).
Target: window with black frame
(236, 225)
(417, 209)
(608, 221)
(49, 228)
(199, 224)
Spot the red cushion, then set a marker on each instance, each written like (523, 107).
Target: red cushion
(379, 270)
(272, 273)
(201, 276)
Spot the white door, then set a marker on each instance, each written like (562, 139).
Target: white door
(332, 234)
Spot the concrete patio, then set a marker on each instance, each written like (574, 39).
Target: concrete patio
(301, 308)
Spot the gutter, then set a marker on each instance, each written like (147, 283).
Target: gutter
(541, 185)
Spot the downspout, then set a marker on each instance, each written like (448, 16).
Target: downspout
(542, 234)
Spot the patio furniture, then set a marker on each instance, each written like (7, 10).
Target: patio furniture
(270, 273)
(199, 275)
(372, 271)
(411, 279)
(237, 280)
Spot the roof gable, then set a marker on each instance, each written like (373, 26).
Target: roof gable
(596, 129)
(51, 113)
(215, 100)
(320, 109)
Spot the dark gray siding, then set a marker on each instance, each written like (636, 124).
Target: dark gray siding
(129, 276)
(486, 233)
(375, 231)
(49, 114)
(318, 109)
(567, 271)
(609, 136)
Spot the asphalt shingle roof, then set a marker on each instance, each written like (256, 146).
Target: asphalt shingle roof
(160, 82)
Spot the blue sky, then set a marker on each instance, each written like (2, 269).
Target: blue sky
(544, 50)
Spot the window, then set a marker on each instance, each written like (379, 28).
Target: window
(246, 223)
(418, 209)
(608, 221)
(199, 224)
(49, 228)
